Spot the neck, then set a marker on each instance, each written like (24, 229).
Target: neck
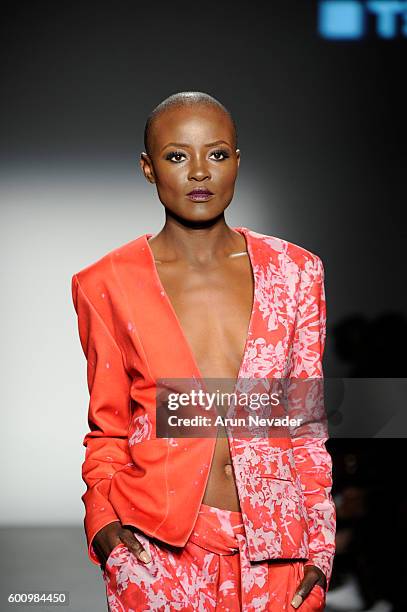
(197, 245)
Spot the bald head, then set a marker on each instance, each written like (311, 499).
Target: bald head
(186, 99)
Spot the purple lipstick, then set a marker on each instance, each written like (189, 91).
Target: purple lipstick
(200, 195)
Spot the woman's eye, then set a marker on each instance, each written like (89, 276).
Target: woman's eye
(219, 155)
(176, 156)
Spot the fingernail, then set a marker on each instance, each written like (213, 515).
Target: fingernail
(296, 601)
(145, 557)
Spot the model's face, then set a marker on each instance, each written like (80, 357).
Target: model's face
(193, 161)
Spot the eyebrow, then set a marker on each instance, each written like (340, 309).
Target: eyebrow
(186, 146)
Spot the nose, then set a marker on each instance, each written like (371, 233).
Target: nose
(198, 170)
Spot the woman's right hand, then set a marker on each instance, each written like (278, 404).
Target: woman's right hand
(113, 534)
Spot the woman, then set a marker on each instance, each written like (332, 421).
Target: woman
(203, 523)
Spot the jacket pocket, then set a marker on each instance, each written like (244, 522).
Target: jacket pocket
(285, 506)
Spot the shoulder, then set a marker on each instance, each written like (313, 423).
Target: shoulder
(280, 250)
(102, 271)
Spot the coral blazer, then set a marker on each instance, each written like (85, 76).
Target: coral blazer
(131, 337)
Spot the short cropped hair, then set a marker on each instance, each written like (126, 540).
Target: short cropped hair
(184, 98)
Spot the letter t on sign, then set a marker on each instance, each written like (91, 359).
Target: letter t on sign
(387, 13)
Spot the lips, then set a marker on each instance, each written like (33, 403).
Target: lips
(200, 194)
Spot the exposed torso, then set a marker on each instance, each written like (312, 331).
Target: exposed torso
(213, 305)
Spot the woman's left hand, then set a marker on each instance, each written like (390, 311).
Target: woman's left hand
(312, 576)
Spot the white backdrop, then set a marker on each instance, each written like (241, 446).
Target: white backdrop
(54, 224)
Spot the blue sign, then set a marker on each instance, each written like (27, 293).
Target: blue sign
(348, 19)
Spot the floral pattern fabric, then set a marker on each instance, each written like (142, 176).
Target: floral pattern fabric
(211, 573)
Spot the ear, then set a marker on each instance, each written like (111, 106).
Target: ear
(238, 157)
(146, 166)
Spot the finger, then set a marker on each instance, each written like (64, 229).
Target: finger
(103, 553)
(136, 547)
(320, 578)
(303, 591)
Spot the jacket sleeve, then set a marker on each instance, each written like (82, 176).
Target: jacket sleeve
(313, 462)
(108, 415)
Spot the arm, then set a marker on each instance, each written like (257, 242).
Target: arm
(108, 416)
(313, 462)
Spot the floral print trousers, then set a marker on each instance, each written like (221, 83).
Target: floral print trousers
(212, 572)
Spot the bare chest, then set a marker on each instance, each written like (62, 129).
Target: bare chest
(213, 307)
